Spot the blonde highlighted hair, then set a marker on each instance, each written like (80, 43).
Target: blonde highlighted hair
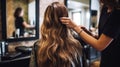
(57, 47)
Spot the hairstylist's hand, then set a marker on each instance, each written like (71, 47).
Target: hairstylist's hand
(68, 22)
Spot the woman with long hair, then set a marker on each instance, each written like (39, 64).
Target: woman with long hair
(57, 47)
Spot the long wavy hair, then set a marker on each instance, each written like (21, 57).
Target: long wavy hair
(57, 47)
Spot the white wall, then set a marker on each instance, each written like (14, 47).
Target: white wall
(31, 12)
(95, 4)
(43, 5)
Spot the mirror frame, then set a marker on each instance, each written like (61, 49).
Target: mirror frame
(0, 21)
(4, 29)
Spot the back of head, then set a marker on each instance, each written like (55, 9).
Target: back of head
(58, 48)
(17, 12)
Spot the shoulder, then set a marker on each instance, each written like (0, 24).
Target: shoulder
(36, 45)
(115, 16)
(20, 18)
(116, 13)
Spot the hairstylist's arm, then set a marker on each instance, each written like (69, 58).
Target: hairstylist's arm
(100, 44)
(27, 25)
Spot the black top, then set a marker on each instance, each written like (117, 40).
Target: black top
(19, 24)
(109, 25)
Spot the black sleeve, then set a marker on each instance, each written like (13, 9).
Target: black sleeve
(112, 26)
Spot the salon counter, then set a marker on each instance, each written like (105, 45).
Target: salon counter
(15, 60)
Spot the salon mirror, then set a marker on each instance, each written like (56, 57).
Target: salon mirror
(79, 11)
(20, 20)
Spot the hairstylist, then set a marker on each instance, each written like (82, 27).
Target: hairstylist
(108, 41)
